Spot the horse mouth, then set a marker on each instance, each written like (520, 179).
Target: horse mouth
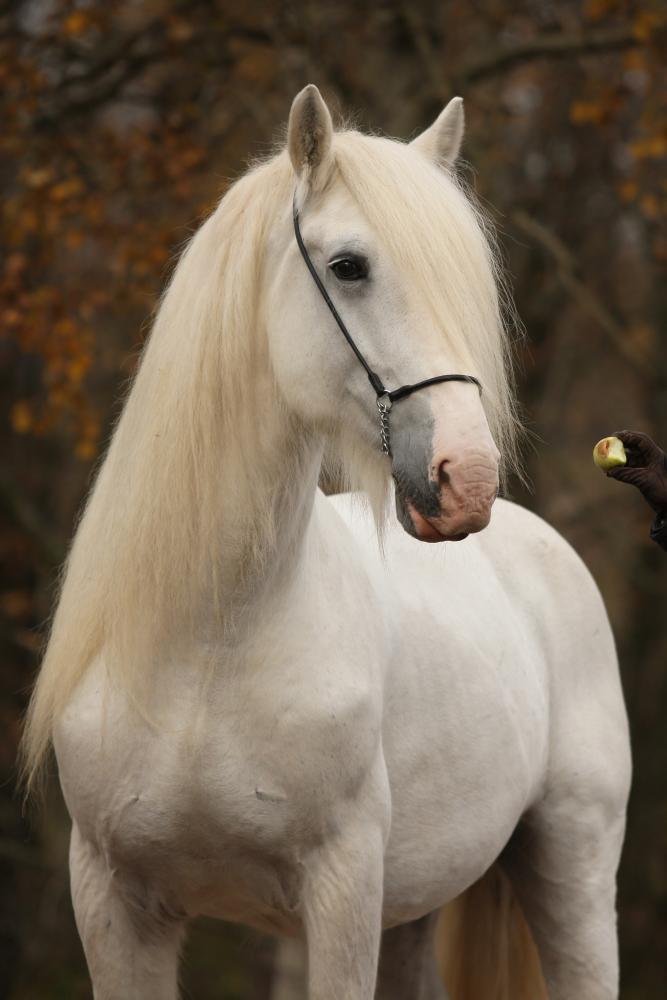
(420, 526)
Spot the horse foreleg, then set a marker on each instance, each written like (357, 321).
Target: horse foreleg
(408, 969)
(130, 951)
(342, 909)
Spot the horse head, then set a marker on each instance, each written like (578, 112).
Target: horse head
(397, 249)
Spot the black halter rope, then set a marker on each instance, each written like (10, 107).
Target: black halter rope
(384, 397)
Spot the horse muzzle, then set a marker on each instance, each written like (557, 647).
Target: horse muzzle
(454, 502)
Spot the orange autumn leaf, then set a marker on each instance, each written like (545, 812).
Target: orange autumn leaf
(39, 177)
(21, 417)
(587, 113)
(652, 148)
(76, 24)
(16, 603)
(64, 327)
(648, 23)
(179, 30)
(650, 206)
(628, 190)
(66, 189)
(86, 449)
(595, 10)
(74, 238)
(10, 317)
(77, 368)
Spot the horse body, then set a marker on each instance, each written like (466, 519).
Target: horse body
(436, 678)
(261, 714)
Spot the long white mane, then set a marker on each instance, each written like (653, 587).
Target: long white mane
(154, 540)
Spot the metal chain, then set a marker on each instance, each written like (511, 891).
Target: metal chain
(383, 404)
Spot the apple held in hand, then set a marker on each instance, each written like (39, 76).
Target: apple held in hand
(608, 453)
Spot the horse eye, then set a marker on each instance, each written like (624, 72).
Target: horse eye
(349, 268)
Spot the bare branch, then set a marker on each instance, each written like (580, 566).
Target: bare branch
(430, 57)
(123, 60)
(495, 63)
(590, 303)
(547, 46)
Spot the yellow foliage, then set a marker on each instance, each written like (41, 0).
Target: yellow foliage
(66, 189)
(85, 449)
(16, 603)
(39, 177)
(256, 66)
(647, 23)
(64, 327)
(595, 10)
(634, 59)
(652, 148)
(21, 417)
(58, 397)
(73, 238)
(11, 317)
(587, 112)
(77, 23)
(628, 190)
(24, 223)
(650, 206)
(77, 368)
(178, 29)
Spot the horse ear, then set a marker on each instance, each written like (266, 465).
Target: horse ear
(309, 137)
(441, 142)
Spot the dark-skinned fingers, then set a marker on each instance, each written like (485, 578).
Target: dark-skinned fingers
(644, 446)
(626, 474)
(632, 437)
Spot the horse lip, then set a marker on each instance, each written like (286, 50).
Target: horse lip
(426, 531)
(413, 520)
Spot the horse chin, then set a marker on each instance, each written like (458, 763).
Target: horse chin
(421, 527)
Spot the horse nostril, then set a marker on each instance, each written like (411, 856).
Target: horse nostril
(443, 475)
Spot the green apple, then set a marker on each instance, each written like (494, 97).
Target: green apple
(608, 453)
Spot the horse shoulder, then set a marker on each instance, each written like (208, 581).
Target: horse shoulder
(539, 568)
(589, 742)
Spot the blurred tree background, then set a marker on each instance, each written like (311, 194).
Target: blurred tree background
(121, 125)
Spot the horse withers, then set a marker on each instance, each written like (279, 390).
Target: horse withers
(282, 709)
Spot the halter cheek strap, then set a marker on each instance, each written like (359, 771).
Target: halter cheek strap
(384, 397)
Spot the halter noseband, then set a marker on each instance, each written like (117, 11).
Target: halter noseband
(384, 397)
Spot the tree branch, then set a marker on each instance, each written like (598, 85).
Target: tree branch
(547, 46)
(495, 63)
(430, 57)
(567, 267)
(123, 60)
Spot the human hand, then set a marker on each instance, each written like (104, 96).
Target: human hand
(646, 468)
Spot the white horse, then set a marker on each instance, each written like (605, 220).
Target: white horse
(261, 713)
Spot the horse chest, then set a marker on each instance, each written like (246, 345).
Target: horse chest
(222, 804)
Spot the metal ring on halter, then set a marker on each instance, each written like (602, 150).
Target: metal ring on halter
(384, 397)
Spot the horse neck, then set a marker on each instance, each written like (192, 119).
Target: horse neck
(265, 527)
(213, 520)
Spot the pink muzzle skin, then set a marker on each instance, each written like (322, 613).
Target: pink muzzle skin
(426, 531)
(463, 510)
